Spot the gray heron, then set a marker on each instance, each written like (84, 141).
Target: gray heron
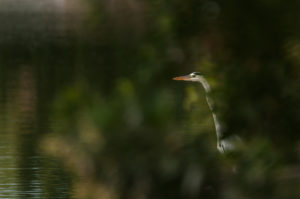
(223, 145)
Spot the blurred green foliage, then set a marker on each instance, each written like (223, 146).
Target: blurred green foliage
(126, 130)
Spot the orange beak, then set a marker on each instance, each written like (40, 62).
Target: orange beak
(182, 78)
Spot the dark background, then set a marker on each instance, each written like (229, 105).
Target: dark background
(93, 87)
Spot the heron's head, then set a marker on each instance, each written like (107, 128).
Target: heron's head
(194, 77)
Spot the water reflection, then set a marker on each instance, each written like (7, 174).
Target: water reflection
(24, 171)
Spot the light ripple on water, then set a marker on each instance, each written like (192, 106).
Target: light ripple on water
(24, 171)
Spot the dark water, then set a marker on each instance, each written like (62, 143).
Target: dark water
(32, 69)
(25, 171)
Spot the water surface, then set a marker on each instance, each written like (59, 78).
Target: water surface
(25, 171)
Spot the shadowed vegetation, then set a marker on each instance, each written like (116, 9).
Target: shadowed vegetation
(95, 90)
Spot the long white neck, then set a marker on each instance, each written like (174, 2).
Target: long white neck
(204, 83)
(210, 103)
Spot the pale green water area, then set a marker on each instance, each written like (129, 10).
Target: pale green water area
(25, 172)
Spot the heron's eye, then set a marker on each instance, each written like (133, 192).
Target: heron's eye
(193, 75)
